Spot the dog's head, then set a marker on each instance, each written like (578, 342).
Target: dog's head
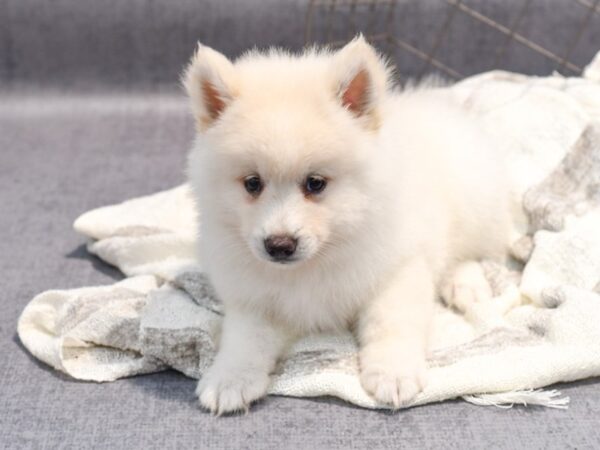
(283, 146)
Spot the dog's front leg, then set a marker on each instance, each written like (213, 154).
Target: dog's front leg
(248, 351)
(393, 334)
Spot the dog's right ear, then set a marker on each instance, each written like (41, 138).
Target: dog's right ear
(210, 83)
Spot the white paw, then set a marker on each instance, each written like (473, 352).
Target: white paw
(231, 390)
(394, 381)
(466, 287)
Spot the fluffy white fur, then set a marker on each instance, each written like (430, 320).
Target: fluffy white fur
(415, 193)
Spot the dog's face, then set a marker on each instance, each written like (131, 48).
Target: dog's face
(283, 146)
(289, 181)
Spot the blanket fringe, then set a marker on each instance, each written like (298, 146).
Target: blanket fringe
(540, 397)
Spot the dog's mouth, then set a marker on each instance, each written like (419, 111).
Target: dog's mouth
(285, 261)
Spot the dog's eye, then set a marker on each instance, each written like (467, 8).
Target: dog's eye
(314, 184)
(253, 184)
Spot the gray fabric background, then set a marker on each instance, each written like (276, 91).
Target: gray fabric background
(90, 115)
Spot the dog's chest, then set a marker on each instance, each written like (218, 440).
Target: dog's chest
(330, 304)
(310, 302)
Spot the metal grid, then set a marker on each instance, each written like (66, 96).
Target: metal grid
(334, 22)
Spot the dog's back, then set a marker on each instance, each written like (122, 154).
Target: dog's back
(448, 176)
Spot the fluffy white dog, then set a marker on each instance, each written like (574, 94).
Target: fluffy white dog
(329, 200)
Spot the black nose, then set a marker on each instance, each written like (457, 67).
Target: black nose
(280, 247)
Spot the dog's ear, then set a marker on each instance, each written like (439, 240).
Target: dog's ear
(361, 78)
(210, 83)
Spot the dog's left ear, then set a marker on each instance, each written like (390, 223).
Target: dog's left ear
(361, 78)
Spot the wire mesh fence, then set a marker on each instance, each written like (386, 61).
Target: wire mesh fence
(460, 37)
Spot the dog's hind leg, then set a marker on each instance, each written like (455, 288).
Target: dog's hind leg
(468, 290)
(465, 286)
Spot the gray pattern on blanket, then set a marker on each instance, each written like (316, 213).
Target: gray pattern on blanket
(317, 361)
(121, 331)
(189, 350)
(495, 341)
(198, 286)
(572, 188)
(308, 362)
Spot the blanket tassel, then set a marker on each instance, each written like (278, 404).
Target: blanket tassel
(539, 397)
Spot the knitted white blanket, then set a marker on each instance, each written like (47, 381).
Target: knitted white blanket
(543, 326)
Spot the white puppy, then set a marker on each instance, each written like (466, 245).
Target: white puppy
(328, 201)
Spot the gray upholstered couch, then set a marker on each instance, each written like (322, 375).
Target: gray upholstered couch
(91, 113)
